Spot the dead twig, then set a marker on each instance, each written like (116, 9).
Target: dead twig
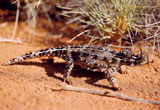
(10, 40)
(107, 93)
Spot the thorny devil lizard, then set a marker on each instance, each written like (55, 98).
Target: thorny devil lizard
(94, 58)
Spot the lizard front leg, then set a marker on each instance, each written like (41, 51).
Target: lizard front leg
(70, 66)
(111, 78)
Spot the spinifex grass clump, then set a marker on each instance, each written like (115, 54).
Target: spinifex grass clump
(112, 20)
(109, 19)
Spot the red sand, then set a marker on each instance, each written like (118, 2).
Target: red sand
(33, 84)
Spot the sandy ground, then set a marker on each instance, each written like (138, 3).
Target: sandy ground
(34, 84)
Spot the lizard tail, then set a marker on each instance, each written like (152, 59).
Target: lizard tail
(14, 60)
(22, 58)
(36, 54)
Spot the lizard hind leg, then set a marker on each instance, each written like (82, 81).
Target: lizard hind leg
(112, 80)
(70, 66)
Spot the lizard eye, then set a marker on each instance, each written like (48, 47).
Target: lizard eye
(126, 52)
(132, 62)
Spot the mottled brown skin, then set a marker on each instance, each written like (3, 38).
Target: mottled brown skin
(94, 58)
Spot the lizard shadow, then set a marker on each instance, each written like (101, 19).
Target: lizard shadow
(51, 68)
(92, 77)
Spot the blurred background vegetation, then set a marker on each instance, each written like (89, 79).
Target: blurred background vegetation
(122, 23)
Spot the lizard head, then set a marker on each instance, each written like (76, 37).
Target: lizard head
(128, 58)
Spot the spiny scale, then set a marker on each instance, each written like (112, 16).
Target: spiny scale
(94, 58)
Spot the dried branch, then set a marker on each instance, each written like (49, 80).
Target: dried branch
(107, 93)
(10, 40)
